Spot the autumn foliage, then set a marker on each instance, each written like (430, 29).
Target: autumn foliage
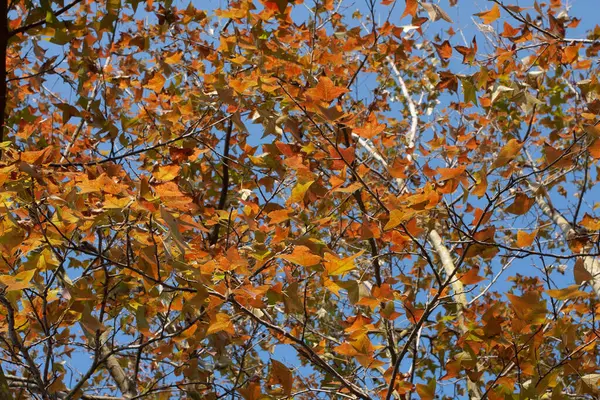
(298, 199)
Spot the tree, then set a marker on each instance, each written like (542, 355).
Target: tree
(298, 199)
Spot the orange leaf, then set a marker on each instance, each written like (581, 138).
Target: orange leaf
(302, 256)
(594, 149)
(591, 223)
(411, 8)
(444, 50)
(525, 239)
(370, 129)
(157, 82)
(279, 216)
(529, 307)
(472, 277)
(450, 173)
(325, 90)
(491, 15)
(509, 31)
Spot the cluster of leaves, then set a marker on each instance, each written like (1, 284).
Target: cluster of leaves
(295, 199)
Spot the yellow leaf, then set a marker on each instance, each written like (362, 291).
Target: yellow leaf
(491, 15)
(116, 202)
(302, 256)
(167, 172)
(507, 153)
(157, 82)
(481, 183)
(339, 266)
(397, 217)
(566, 293)
(331, 285)
(174, 58)
(220, 323)
(299, 191)
(18, 282)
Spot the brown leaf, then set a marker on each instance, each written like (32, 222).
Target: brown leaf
(281, 375)
(580, 273)
(521, 205)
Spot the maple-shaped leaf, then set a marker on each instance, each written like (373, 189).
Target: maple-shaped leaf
(591, 223)
(410, 9)
(480, 183)
(277, 5)
(157, 82)
(491, 15)
(220, 322)
(426, 392)
(436, 12)
(450, 173)
(167, 172)
(299, 191)
(17, 282)
(529, 308)
(580, 273)
(471, 277)
(525, 239)
(302, 256)
(280, 375)
(339, 266)
(325, 91)
(397, 217)
(521, 205)
(252, 391)
(509, 31)
(567, 293)
(468, 53)
(444, 50)
(508, 153)
(370, 128)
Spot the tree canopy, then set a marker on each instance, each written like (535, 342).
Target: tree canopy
(299, 199)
